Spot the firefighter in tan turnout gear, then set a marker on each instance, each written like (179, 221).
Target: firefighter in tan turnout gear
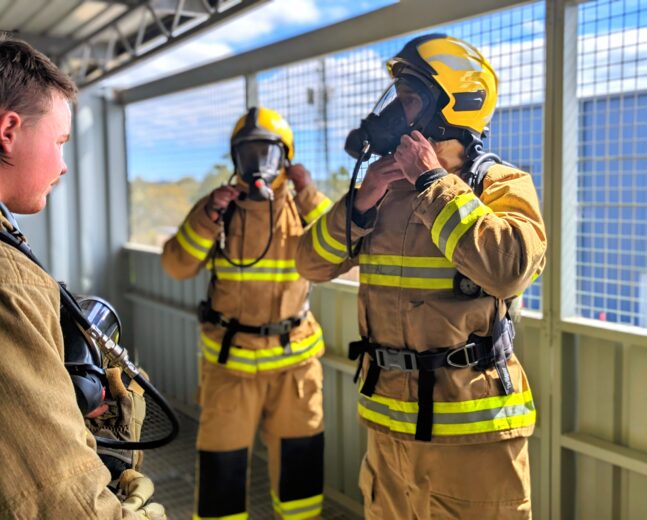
(260, 344)
(50, 466)
(446, 236)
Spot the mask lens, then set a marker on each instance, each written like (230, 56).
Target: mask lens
(258, 157)
(100, 313)
(390, 94)
(411, 93)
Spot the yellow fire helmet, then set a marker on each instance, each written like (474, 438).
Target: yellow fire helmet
(258, 132)
(461, 80)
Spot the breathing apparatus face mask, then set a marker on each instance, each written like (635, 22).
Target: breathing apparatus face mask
(408, 104)
(258, 164)
(83, 358)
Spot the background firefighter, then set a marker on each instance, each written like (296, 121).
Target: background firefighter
(260, 343)
(446, 236)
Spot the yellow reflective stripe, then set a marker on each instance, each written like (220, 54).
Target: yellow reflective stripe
(385, 420)
(452, 418)
(280, 263)
(493, 425)
(332, 242)
(474, 405)
(246, 276)
(193, 235)
(196, 253)
(265, 270)
(319, 210)
(449, 209)
(405, 283)
(253, 361)
(405, 261)
(454, 220)
(298, 509)
(237, 516)
(327, 248)
(462, 228)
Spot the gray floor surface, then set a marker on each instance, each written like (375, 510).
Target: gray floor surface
(172, 469)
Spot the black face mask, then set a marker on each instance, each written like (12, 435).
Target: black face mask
(405, 106)
(258, 164)
(83, 359)
(383, 132)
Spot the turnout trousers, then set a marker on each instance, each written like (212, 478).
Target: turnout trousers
(413, 480)
(287, 406)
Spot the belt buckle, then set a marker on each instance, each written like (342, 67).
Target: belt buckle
(465, 349)
(276, 329)
(390, 358)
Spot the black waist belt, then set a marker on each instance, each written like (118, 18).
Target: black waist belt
(281, 329)
(478, 353)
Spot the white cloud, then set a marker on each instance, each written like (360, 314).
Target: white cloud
(182, 57)
(267, 18)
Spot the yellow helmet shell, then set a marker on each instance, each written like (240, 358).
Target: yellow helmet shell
(261, 123)
(460, 70)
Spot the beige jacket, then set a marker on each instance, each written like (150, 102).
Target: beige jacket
(50, 466)
(409, 255)
(267, 292)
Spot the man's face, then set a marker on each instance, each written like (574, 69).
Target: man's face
(412, 102)
(37, 158)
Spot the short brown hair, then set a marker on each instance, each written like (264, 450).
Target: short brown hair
(28, 79)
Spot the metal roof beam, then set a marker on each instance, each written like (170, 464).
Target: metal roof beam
(162, 23)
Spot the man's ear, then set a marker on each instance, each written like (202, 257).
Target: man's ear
(10, 123)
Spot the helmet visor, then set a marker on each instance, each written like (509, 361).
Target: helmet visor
(255, 158)
(411, 94)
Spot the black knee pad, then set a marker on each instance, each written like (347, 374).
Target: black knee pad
(301, 467)
(222, 482)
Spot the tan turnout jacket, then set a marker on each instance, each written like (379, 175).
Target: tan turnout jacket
(409, 254)
(268, 292)
(50, 466)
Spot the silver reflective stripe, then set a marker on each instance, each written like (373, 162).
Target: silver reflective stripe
(408, 272)
(285, 270)
(455, 62)
(406, 417)
(455, 220)
(320, 235)
(483, 415)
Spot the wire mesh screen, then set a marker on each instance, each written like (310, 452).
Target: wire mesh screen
(324, 98)
(611, 259)
(178, 150)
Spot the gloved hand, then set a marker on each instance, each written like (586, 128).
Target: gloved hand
(122, 421)
(299, 176)
(219, 199)
(136, 490)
